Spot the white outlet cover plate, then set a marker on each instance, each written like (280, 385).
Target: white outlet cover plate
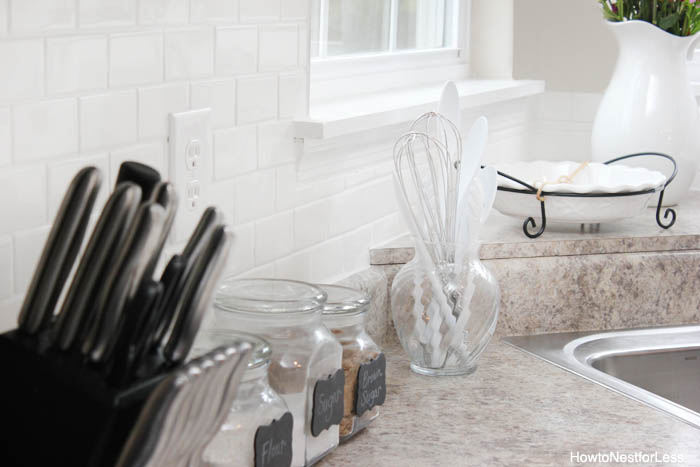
(190, 167)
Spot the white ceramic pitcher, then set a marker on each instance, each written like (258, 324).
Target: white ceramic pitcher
(649, 104)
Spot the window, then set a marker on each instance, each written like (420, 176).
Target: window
(361, 27)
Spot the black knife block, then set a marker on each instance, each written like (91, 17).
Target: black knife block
(58, 412)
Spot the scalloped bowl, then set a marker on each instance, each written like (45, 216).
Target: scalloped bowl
(594, 178)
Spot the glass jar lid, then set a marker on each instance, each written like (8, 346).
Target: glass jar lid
(213, 338)
(344, 301)
(269, 296)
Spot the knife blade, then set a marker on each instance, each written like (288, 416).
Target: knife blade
(141, 174)
(114, 221)
(165, 195)
(60, 251)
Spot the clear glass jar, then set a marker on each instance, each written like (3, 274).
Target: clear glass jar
(256, 404)
(304, 352)
(344, 314)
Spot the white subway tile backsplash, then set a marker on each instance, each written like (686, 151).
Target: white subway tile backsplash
(303, 46)
(9, 311)
(311, 224)
(106, 12)
(5, 137)
(155, 103)
(28, 246)
(255, 196)
(108, 120)
(236, 50)
(220, 96)
(361, 205)
(292, 192)
(276, 144)
(266, 270)
(189, 53)
(44, 129)
(76, 63)
(256, 99)
(214, 10)
(135, 58)
(274, 237)
(242, 256)
(222, 191)
(292, 95)
(60, 175)
(152, 154)
(164, 11)
(278, 47)
(25, 77)
(252, 11)
(5, 267)
(327, 260)
(26, 188)
(4, 16)
(295, 9)
(295, 267)
(356, 245)
(387, 229)
(235, 151)
(41, 15)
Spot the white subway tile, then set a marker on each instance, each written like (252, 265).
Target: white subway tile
(236, 50)
(135, 58)
(5, 267)
(274, 237)
(388, 228)
(222, 195)
(76, 63)
(42, 15)
(266, 270)
(5, 138)
(303, 46)
(253, 11)
(255, 196)
(327, 261)
(163, 11)
(9, 312)
(4, 16)
(242, 256)
(292, 95)
(45, 129)
(106, 12)
(150, 154)
(292, 193)
(25, 78)
(278, 47)
(235, 151)
(311, 224)
(26, 187)
(218, 95)
(295, 9)
(276, 144)
(214, 10)
(358, 206)
(155, 103)
(294, 267)
(28, 246)
(356, 245)
(62, 173)
(189, 53)
(108, 119)
(256, 99)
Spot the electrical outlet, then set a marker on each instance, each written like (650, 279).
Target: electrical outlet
(190, 161)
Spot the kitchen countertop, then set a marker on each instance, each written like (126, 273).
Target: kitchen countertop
(514, 410)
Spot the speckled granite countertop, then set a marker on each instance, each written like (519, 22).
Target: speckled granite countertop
(514, 411)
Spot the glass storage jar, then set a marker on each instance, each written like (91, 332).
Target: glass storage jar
(306, 358)
(257, 406)
(344, 314)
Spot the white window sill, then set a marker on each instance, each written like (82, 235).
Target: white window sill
(338, 117)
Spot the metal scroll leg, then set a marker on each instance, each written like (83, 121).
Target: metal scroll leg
(667, 212)
(530, 222)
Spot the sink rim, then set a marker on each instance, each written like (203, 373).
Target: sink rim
(576, 351)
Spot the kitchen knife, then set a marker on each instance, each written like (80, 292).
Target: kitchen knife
(198, 291)
(60, 251)
(117, 215)
(165, 195)
(123, 282)
(143, 175)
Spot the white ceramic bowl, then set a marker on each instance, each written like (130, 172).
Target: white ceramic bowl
(594, 178)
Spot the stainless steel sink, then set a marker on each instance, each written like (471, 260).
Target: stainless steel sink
(659, 367)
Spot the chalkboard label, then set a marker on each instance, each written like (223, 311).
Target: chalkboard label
(273, 443)
(371, 385)
(328, 402)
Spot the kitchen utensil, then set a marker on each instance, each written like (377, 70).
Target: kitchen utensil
(449, 106)
(124, 280)
(197, 295)
(472, 154)
(60, 251)
(141, 174)
(165, 195)
(116, 217)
